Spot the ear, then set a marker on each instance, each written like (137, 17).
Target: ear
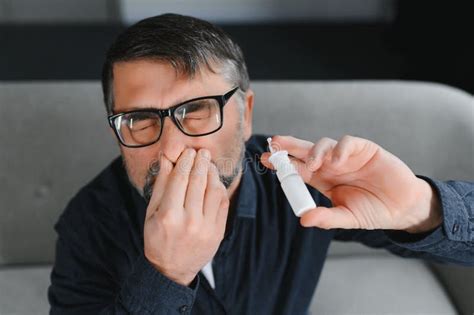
(248, 112)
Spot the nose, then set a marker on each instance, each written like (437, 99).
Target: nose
(172, 141)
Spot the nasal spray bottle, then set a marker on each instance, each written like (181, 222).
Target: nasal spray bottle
(291, 182)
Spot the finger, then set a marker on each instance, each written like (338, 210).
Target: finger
(295, 147)
(264, 160)
(175, 192)
(316, 155)
(222, 214)
(330, 218)
(215, 191)
(347, 145)
(302, 169)
(319, 152)
(165, 169)
(197, 183)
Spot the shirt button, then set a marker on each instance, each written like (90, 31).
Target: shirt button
(183, 309)
(455, 228)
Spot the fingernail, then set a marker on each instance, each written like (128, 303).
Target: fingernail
(205, 153)
(191, 152)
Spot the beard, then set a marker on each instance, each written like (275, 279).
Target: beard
(228, 166)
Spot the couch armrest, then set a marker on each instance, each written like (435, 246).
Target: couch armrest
(459, 284)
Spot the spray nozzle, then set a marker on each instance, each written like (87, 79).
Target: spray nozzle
(270, 148)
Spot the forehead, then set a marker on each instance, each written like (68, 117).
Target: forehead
(150, 83)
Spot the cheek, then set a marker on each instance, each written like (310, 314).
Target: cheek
(231, 115)
(228, 146)
(232, 122)
(218, 142)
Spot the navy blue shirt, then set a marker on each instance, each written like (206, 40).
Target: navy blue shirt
(267, 263)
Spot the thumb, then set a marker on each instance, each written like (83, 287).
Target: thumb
(330, 218)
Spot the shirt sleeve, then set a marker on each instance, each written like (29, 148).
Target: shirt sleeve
(148, 291)
(84, 282)
(451, 242)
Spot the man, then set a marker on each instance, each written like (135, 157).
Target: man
(190, 220)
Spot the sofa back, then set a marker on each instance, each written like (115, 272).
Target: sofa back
(54, 138)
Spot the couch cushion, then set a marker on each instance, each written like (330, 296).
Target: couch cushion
(55, 140)
(379, 284)
(361, 284)
(23, 290)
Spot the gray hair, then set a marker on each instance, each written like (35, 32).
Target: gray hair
(188, 44)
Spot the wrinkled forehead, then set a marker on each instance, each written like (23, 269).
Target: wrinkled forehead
(151, 83)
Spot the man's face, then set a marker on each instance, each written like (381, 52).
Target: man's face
(146, 83)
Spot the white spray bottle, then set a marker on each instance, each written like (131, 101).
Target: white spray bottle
(291, 182)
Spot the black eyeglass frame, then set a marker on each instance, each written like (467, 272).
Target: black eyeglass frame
(163, 113)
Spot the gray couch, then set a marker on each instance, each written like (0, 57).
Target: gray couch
(54, 138)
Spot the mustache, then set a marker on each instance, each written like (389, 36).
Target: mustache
(155, 168)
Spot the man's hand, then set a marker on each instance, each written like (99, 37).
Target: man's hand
(186, 217)
(369, 187)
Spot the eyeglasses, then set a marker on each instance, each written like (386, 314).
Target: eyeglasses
(196, 117)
